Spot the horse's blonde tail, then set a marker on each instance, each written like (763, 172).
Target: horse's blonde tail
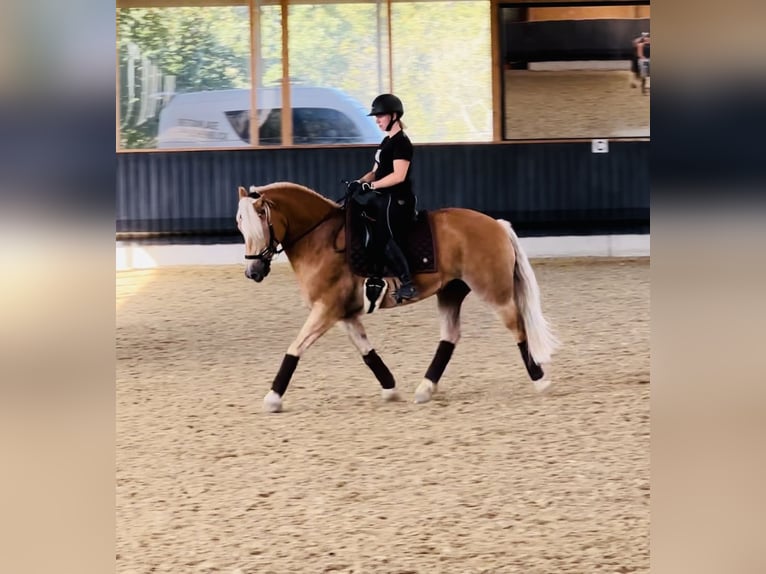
(540, 338)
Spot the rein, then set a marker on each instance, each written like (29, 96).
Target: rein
(271, 249)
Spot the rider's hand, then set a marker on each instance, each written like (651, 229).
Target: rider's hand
(354, 186)
(367, 187)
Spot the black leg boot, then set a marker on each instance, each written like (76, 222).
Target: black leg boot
(399, 265)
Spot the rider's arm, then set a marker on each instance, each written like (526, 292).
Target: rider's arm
(370, 175)
(399, 174)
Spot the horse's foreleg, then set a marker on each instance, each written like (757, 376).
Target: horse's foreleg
(358, 336)
(450, 299)
(319, 320)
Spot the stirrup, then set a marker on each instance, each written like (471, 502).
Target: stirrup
(405, 291)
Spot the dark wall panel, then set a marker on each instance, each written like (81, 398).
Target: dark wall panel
(542, 188)
(565, 40)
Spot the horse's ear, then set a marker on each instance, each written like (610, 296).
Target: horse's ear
(242, 192)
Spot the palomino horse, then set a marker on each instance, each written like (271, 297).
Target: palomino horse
(475, 253)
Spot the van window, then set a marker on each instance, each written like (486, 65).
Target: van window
(310, 126)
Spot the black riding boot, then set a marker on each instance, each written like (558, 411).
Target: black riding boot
(399, 265)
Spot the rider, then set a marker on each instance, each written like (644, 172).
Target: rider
(641, 46)
(389, 179)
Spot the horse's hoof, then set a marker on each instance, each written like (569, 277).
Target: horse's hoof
(272, 402)
(390, 395)
(543, 385)
(424, 392)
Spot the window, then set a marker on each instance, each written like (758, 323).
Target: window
(168, 51)
(442, 69)
(188, 76)
(343, 46)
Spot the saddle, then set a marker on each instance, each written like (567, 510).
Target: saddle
(418, 247)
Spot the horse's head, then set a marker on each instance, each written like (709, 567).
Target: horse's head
(254, 222)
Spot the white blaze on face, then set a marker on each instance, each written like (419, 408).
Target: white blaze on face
(251, 226)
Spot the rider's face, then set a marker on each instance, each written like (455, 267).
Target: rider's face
(383, 120)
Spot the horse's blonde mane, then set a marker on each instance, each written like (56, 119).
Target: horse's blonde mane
(290, 186)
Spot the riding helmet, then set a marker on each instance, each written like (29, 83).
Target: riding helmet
(387, 104)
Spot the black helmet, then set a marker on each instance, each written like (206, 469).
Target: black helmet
(387, 104)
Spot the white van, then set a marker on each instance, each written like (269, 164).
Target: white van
(221, 118)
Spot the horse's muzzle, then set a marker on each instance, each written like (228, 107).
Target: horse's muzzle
(257, 270)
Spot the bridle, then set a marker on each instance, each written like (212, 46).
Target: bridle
(268, 252)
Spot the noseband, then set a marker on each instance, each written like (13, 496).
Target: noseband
(270, 250)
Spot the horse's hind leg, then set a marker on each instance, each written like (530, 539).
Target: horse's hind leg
(509, 314)
(450, 298)
(358, 336)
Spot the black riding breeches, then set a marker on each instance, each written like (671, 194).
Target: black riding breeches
(393, 217)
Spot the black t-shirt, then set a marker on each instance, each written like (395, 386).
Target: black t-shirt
(391, 148)
(647, 48)
(646, 43)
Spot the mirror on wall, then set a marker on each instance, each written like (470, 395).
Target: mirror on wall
(575, 71)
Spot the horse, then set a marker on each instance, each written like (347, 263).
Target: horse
(475, 253)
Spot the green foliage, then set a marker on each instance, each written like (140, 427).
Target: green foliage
(336, 45)
(199, 48)
(441, 58)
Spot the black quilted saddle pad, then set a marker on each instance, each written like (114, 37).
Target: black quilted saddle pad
(419, 247)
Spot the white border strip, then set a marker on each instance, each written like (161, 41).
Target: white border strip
(138, 256)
